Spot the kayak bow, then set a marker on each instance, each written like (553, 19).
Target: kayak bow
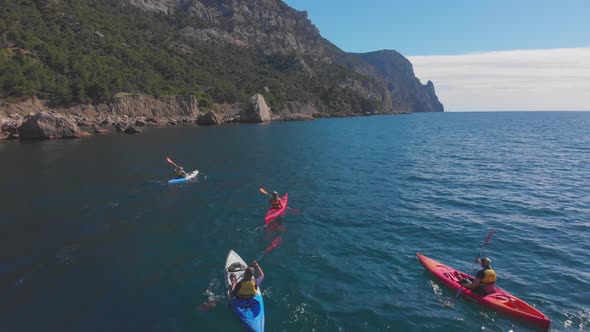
(500, 300)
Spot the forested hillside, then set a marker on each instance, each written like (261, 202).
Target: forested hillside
(87, 51)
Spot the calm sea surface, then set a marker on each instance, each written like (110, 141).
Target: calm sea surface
(92, 238)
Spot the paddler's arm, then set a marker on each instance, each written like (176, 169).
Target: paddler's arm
(480, 275)
(235, 287)
(473, 284)
(260, 272)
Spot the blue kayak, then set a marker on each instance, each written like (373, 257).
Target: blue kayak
(249, 311)
(192, 176)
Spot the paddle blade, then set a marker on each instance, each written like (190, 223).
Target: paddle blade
(273, 245)
(170, 161)
(489, 237)
(293, 210)
(270, 248)
(264, 191)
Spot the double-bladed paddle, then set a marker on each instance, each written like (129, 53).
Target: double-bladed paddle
(478, 257)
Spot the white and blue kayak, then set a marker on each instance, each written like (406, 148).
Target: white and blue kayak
(249, 311)
(192, 176)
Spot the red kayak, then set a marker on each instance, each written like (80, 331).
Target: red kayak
(272, 214)
(500, 300)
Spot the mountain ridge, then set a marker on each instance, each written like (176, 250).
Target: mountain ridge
(221, 51)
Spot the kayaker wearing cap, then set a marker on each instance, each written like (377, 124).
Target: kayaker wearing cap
(485, 279)
(275, 201)
(180, 173)
(248, 286)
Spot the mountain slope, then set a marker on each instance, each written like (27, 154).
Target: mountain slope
(222, 51)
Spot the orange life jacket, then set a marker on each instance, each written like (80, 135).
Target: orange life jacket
(276, 204)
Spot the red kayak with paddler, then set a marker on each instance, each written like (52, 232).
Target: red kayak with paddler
(278, 206)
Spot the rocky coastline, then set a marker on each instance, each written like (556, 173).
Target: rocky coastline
(31, 118)
(208, 55)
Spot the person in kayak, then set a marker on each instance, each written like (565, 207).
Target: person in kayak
(275, 201)
(179, 171)
(248, 286)
(485, 279)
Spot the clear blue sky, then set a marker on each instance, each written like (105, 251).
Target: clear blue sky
(436, 27)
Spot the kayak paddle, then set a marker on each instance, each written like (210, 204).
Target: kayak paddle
(478, 257)
(288, 207)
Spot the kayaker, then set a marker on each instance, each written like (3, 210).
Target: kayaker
(275, 201)
(179, 171)
(248, 286)
(485, 279)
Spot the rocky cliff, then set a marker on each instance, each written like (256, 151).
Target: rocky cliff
(275, 28)
(269, 25)
(221, 52)
(397, 73)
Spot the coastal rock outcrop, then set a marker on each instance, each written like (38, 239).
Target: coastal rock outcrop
(209, 119)
(3, 135)
(11, 127)
(21, 107)
(132, 130)
(257, 111)
(148, 106)
(46, 125)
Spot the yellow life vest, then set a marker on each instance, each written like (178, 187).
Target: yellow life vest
(247, 288)
(489, 277)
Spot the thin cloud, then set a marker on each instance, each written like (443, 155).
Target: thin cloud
(551, 79)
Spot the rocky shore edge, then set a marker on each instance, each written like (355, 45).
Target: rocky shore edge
(33, 119)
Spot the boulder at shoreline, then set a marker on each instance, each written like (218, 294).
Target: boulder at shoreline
(208, 119)
(258, 111)
(47, 126)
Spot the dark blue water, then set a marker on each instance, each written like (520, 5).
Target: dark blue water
(93, 239)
